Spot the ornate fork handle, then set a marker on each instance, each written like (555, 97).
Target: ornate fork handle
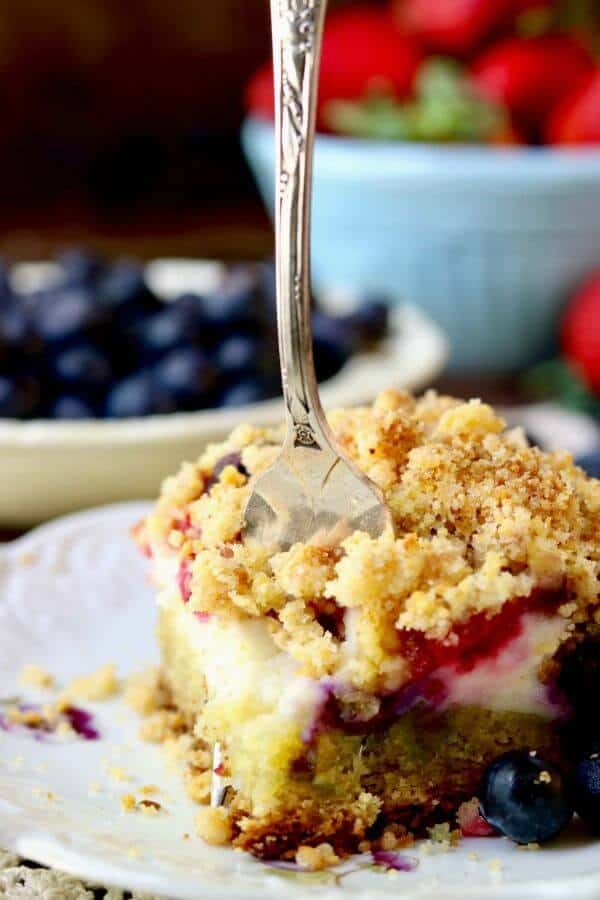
(297, 31)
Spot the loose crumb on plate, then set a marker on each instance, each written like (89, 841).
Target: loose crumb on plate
(100, 685)
(144, 692)
(128, 803)
(34, 676)
(316, 858)
(118, 773)
(213, 825)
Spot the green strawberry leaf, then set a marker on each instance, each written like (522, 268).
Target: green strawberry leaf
(446, 109)
(556, 380)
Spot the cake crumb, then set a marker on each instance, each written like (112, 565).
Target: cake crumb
(442, 834)
(133, 852)
(34, 676)
(213, 825)
(313, 859)
(99, 685)
(144, 691)
(495, 867)
(128, 803)
(545, 777)
(118, 773)
(150, 807)
(148, 790)
(161, 726)
(531, 846)
(474, 857)
(28, 558)
(197, 786)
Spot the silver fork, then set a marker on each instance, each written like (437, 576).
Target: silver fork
(312, 492)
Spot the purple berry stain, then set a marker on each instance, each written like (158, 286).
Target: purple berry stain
(80, 720)
(82, 723)
(391, 859)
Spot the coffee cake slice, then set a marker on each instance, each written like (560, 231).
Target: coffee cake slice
(366, 686)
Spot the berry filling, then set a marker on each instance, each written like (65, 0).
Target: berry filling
(433, 665)
(481, 638)
(184, 581)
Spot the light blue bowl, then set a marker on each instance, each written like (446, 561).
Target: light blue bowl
(489, 242)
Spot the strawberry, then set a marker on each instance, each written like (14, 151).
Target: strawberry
(362, 50)
(580, 332)
(259, 93)
(459, 26)
(576, 120)
(531, 75)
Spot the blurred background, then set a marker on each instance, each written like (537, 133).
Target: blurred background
(120, 127)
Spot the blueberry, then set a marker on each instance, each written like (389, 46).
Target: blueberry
(80, 267)
(590, 463)
(237, 355)
(18, 396)
(250, 390)
(370, 319)
(6, 292)
(580, 736)
(71, 407)
(232, 306)
(586, 788)
(165, 330)
(580, 675)
(82, 365)
(185, 376)
(267, 286)
(334, 329)
(14, 325)
(123, 291)
(136, 395)
(66, 314)
(525, 797)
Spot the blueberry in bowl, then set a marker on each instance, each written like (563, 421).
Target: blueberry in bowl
(101, 342)
(72, 437)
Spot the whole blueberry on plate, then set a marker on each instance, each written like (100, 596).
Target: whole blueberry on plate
(580, 736)
(586, 791)
(579, 679)
(19, 396)
(65, 314)
(186, 377)
(82, 365)
(526, 797)
(71, 407)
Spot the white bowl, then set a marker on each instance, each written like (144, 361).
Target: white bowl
(50, 468)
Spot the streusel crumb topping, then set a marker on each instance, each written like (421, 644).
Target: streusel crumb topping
(480, 518)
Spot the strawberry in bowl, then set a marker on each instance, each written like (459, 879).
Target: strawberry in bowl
(432, 179)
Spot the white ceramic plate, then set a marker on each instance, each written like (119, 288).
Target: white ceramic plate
(73, 596)
(50, 468)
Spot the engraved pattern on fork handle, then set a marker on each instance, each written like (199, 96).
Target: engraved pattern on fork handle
(297, 27)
